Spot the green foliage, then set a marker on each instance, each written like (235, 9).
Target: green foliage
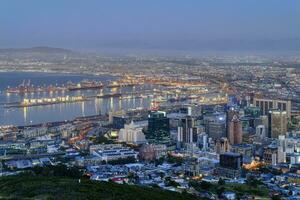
(39, 187)
(253, 182)
(201, 186)
(221, 182)
(276, 197)
(159, 161)
(57, 170)
(176, 160)
(205, 185)
(254, 188)
(103, 140)
(170, 182)
(122, 161)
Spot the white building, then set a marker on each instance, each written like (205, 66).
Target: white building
(112, 152)
(261, 131)
(34, 132)
(288, 149)
(132, 133)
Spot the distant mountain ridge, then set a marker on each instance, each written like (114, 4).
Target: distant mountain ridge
(38, 49)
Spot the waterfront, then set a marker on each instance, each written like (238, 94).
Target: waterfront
(60, 112)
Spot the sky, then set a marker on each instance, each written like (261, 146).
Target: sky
(169, 24)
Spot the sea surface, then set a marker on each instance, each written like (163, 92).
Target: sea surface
(61, 112)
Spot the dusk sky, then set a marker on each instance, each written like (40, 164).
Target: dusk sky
(146, 23)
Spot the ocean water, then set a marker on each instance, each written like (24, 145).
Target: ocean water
(60, 112)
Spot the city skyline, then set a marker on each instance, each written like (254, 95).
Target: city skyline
(172, 99)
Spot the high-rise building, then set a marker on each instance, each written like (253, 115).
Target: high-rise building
(202, 141)
(185, 130)
(281, 149)
(217, 129)
(235, 131)
(215, 125)
(270, 104)
(261, 131)
(132, 133)
(245, 149)
(265, 121)
(252, 111)
(158, 127)
(230, 113)
(277, 123)
(270, 155)
(229, 116)
(222, 145)
(231, 160)
(230, 165)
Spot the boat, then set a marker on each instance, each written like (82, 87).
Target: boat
(85, 85)
(109, 95)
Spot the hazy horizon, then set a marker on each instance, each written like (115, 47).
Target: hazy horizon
(249, 25)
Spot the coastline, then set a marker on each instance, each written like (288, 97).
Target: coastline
(60, 72)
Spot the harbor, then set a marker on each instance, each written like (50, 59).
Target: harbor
(46, 101)
(26, 86)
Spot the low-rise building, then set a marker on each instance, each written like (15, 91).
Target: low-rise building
(111, 152)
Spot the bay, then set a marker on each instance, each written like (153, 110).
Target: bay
(61, 112)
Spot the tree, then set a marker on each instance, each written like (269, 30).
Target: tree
(253, 182)
(220, 190)
(276, 197)
(205, 185)
(221, 182)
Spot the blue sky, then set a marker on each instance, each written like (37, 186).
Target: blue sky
(119, 23)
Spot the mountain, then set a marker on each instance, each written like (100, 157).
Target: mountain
(39, 49)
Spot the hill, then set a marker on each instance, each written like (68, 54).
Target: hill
(40, 49)
(38, 187)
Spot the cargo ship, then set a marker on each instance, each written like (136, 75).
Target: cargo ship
(125, 82)
(109, 95)
(85, 85)
(46, 101)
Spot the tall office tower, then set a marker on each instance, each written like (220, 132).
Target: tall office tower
(235, 131)
(270, 154)
(261, 131)
(217, 129)
(265, 121)
(269, 104)
(158, 128)
(231, 160)
(215, 125)
(282, 149)
(186, 110)
(230, 113)
(193, 110)
(222, 145)
(185, 130)
(229, 116)
(277, 123)
(202, 141)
